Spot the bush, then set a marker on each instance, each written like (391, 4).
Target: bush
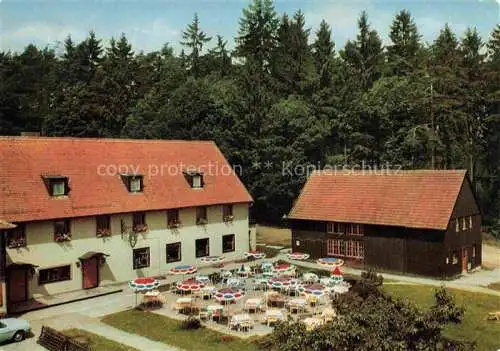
(226, 338)
(191, 323)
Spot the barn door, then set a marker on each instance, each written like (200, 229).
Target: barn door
(17, 285)
(90, 272)
(465, 259)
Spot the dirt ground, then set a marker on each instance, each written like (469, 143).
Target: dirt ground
(491, 256)
(282, 237)
(274, 236)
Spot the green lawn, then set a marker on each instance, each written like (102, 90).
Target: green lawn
(168, 331)
(474, 327)
(97, 343)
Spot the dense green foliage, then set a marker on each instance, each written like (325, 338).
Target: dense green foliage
(373, 320)
(284, 97)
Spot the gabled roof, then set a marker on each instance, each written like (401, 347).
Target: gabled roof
(414, 199)
(93, 168)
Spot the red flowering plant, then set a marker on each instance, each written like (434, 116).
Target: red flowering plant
(16, 242)
(103, 232)
(228, 218)
(140, 228)
(60, 237)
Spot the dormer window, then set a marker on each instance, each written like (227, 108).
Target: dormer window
(133, 182)
(56, 185)
(195, 179)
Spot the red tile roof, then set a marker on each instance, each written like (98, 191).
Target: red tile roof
(414, 199)
(23, 162)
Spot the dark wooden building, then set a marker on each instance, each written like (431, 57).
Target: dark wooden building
(425, 222)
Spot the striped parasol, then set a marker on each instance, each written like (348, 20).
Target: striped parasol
(337, 275)
(228, 295)
(330, 261)
(313, 289)
(184, 269)
(281, 282)
(254, 254)
(283, 269)
(299, 256)
(143, 284)
(189, 285)
(212, 259)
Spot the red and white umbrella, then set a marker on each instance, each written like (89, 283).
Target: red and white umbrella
(283, 269)
(184, 269)
(143, 284)
(281, 282)
(299, 256)
(313, 289)
(228, 295)
(337, 275)
(189, 285)
(254, 254)
(330, 261)
(212, 259)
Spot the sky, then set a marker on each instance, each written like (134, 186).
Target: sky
(148, 24)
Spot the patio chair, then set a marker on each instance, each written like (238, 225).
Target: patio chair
(203, 314)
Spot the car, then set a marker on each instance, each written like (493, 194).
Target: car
(13, 329)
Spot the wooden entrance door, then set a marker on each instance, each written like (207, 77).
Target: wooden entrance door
(465, 259)
(17, 285)
(90, 272)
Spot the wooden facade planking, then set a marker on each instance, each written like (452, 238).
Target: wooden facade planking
(423, 251)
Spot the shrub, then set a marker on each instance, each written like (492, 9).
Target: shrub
(191, 323)
(226, 338)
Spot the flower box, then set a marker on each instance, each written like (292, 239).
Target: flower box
(201, 221)
(141, 228)
(16, 243)
(174, 225)
(228, 218)
(62, 237)
(103, 232)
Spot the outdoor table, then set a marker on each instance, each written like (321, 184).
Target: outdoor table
(494, 316)
(275, 299)
(327, 281)
(310, 277)
(273, 315)
(233, 282)
(241, 321)
(183, 303)
(203, 279)
(328, 314)
(189, 285)
(312, 323)
(297, 304)
(214, 311)
(253, 304)
(340, 289)
(208, 291)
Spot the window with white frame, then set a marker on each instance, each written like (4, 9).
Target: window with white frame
(457, 225)
(334, 247)
(464, 223)
(469, 219)
(329, 227)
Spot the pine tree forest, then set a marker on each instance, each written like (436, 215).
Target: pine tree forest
(283, 96)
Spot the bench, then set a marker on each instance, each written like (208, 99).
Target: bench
(54, 340)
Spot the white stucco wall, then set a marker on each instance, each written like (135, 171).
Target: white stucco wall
(41, 249)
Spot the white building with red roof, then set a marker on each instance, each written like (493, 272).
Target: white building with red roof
(92, 212)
